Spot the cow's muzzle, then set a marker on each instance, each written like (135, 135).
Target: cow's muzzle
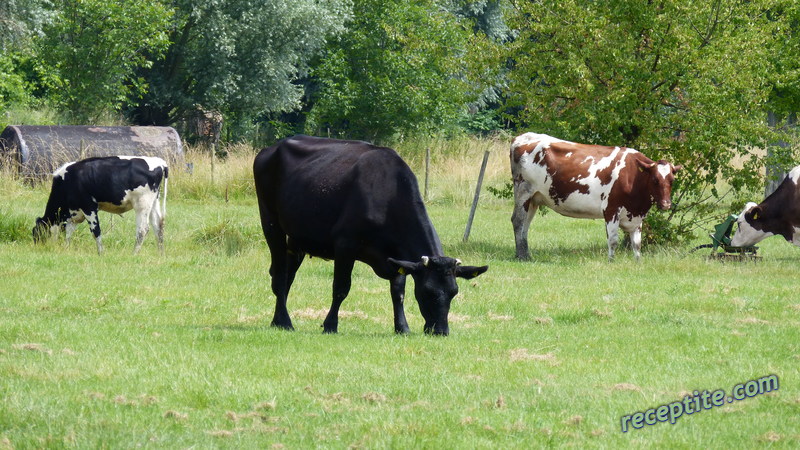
(665, 205)
(436, 329)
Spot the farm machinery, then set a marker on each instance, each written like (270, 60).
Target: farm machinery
(721, 247)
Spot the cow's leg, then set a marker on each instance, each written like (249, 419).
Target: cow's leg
(157, 222)
(398, 289)
(634, 229)
(94, 225)
(71, 224)
(342, 273)
(69, 228)
(612, 231)
(524, 211)
(142, 209)
(279, 273)
(636, 241)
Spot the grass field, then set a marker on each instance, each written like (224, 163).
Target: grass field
(177, 352)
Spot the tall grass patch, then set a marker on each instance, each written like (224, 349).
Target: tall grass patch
(13, 227)
(455, 166)
(228, 178)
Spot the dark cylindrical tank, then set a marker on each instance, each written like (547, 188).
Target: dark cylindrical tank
(36, 151)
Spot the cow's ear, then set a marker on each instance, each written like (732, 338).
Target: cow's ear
(754, 212)
(403, 267)
(677, 168)
(470, 272)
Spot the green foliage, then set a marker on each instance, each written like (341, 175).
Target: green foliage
(658, 76)
(96, 45)
(239, 57)
(401, 68)
(505, 192)
(12, 84)
(20, 20)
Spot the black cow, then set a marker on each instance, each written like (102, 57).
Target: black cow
(348, 201)
(778, 214)
(115, 184)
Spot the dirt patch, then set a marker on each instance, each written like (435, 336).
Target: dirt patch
(374, 397)
(320, 314)
(770, 436)
(574, 421)
(503, 317)
(270, 405)
(31, 347)
(543, 320)
(752, 321)
(171, 414)
(626, 387)
(523, 354)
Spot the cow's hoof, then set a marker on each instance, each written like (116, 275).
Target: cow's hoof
(402, 330)
(330, 329)
(283, 326)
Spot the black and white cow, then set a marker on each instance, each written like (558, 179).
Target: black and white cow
(778, 214)
(352, 201)
(115, 184)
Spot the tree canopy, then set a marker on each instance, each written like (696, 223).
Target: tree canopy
(400, 68)
(95, 45)
(237, 57)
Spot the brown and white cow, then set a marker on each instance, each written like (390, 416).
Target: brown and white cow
(778, 214)
(617, 184)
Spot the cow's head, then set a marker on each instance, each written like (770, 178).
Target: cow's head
(661, 176)
(41, 230)
(435, 286)
(44, 229)
(750, 227)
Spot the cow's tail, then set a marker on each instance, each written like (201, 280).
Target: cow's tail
(164, 199)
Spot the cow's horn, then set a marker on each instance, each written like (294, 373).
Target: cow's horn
(425, 261)
(458, 262)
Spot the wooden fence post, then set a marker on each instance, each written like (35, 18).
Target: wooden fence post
(477, 195)
(427, 170)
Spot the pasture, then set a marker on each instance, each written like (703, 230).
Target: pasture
(176, 351)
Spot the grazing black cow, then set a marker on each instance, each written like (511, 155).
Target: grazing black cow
(348, 201)
(778, 214)
(115, 184)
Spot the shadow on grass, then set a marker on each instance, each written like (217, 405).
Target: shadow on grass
(302, 331)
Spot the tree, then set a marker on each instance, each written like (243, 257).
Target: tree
(402, 67)
(677, 79)
(95, 47)
(784, 102)
(19, 20)
(237, 57)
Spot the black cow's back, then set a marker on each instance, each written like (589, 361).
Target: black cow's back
(327, 194)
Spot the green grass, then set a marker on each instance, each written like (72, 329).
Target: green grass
(177, 352)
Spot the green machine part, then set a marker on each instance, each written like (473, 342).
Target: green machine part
(722, 232)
